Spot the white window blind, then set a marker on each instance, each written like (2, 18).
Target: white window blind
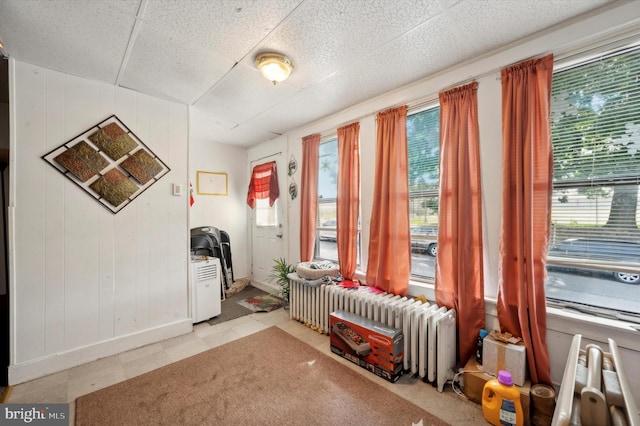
(596, 139)
(423, 139)
(595, 124)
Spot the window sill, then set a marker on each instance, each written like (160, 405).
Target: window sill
(422, 288)
(593, 328)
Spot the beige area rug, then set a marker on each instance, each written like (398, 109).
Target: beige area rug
(268, 378)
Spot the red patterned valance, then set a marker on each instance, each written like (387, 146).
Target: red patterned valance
(263, 184)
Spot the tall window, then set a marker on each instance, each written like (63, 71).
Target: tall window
(326, 228)
(423, 138)
(326, 237)
(594, 254)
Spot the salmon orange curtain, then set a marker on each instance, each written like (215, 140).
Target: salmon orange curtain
(527, 164)
(389, 263)
(309, 195)
(263, 184)
(459, 264)
(348, 198)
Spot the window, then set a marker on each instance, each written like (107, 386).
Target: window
(594, 253)
(423, 138)
(326, 236)
(266, 215)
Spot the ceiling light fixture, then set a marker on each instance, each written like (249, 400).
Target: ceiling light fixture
(274, 66)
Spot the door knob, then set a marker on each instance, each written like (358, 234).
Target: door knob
(279, 235)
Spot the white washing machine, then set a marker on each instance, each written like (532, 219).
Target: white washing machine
(206, 288)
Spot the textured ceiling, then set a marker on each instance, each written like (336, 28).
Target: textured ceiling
(200, 52)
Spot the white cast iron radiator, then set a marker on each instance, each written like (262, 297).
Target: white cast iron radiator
(429, 331)
(594, 389)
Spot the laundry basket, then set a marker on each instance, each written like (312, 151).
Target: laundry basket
(317, 270)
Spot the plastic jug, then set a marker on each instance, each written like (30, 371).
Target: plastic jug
(501, 401)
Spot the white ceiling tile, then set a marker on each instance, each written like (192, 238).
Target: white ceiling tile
(246, 135)
(166, 68)
(305, 107)
(243, 94)
(424, 51)
(202, 127)
(87, 41)
(203, 130)
(489, 25)
(446, 4)
(324, 36)
(231, 28)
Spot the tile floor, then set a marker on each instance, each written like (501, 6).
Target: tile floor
(67, 385)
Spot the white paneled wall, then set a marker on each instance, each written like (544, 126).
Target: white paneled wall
(86, 282)
(227, 212)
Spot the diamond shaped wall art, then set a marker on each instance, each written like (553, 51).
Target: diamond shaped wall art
(109, 162)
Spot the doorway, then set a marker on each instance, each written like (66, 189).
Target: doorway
(268, 226)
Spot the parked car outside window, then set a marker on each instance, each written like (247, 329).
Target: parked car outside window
(419, 244)
(328, 235)
(600, 249)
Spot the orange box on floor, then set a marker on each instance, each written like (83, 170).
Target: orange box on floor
(370, 344)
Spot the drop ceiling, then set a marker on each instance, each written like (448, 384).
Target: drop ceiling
(201, 52)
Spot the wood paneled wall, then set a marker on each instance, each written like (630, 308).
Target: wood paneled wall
(82, 275)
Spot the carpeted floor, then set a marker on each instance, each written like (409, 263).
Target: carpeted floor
(267, 378)
(231, 309)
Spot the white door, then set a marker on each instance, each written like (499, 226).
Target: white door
(268, 228)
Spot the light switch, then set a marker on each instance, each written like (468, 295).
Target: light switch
(177, 189)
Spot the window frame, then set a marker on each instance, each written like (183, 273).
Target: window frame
(322, 200)
(319, 228)
(593, 263)
(423, 106)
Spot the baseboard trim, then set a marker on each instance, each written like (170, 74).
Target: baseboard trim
(40, 367)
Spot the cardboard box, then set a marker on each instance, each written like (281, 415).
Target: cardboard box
(498, 356)
(474, 380)
(370, 344)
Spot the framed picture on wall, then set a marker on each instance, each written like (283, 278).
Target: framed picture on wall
(109, 162)
(212, 183)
